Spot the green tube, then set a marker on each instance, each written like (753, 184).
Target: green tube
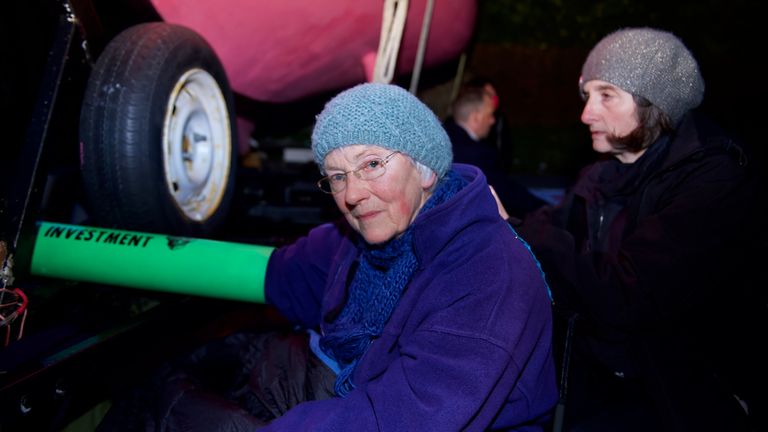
(209, 268)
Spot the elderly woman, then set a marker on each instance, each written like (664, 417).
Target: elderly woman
(433, 312)
(424, 310)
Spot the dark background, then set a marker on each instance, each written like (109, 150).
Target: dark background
(533, 50)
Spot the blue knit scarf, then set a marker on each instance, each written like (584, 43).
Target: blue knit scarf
(380, 280)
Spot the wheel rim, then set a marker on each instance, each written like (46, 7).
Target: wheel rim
(197, 145)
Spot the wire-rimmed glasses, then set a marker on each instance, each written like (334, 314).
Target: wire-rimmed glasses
(368, 170)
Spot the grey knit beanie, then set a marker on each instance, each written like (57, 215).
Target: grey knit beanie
(650, 63)
(387, 116)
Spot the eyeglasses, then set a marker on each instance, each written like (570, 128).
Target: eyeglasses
(368, 170)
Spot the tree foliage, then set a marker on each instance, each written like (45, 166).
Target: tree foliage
(543, 23)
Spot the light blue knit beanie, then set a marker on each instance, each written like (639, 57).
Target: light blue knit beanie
(387, 116)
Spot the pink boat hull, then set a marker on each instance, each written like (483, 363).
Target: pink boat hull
(281, 51)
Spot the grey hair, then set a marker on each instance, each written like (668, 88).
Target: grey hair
(426, 173)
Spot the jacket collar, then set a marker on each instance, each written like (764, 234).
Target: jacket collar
(696, 134)
(435, 228)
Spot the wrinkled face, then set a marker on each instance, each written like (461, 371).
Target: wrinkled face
(484, 118)
(382, 208)
(608, 111)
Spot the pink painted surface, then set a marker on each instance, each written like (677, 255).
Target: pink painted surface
(283, 50)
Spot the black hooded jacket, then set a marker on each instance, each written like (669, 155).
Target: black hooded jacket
(657, 259)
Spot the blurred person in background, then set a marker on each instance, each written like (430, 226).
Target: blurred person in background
(473, 115)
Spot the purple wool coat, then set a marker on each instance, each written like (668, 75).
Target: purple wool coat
(468, 346)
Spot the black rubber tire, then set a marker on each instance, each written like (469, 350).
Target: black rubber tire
(121, 129)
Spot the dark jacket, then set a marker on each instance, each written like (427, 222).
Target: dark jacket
(466, 150)
(468, 345)
(653, 257)
(515, 197)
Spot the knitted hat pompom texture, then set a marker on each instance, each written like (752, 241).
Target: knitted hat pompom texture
(650, 63)
(384, 115)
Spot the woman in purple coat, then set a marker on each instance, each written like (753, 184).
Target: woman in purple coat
(421, 310)
(432, 314)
